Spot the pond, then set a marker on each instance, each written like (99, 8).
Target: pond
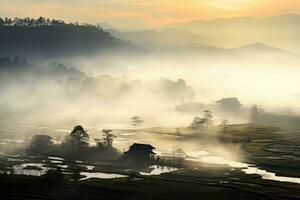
(100, 175)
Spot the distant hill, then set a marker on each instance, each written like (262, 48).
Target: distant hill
(51, 40)
(258, 48)
(172, 42)
(263, 51)
(280, 31)
(171, 36)
(20, 67)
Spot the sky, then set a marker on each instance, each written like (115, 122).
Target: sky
(139, 14)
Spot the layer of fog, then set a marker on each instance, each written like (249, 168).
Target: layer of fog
(212, 75)
(112, 88)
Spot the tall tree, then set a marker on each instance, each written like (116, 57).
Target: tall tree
(224, 123)
(208, 116)
(41, 143)
(108, 138)
(2, 22)
(41, 21)
(197, 124)
(79, 136)
(136, 121)
(7, 21)
(254, 112)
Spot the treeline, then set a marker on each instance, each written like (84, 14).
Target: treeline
(288, 117)
(45, 38)
(41, 21)
(7, 61)
(75, 146)
(18, 69)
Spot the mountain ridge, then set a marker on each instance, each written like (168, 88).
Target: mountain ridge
(170, 36)
(281, 31)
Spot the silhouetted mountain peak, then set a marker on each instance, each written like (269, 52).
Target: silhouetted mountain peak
(258, 46)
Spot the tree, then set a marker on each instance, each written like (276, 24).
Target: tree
(231, 104)
(41, 21)
(7, 21)
(136, 121)
(2, 22)
(208, 118)
(41, 143)
(254, 114)
(18, 22)
(224, 123)
(31, 22)
(79, 136)
(108, 138)
(48, 22)
(55, 22)
(197, 124)
(26, 21)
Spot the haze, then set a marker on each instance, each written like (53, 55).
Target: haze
(142, 14)
(166, 99)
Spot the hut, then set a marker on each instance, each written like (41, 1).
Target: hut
(140, 151)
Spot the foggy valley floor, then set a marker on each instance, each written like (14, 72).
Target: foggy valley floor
(149, 100)
(64, 128)
(205, 173)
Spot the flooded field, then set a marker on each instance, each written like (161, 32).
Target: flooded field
(158, 170)
(181, 158)
(100, 175)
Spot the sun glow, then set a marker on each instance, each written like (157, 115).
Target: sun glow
(230, 4)
(147, 14)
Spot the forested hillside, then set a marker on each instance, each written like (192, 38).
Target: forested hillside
(44, 37)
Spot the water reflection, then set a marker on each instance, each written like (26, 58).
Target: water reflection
(270, 176)
(55, 158)
(30, 169)
(157, 170)
(88, 167)
(100, 175)
(247, 168)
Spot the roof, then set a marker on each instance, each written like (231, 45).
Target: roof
(42, 136)
(140, 149)
(141, 146)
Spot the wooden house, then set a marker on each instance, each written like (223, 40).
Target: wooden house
(140, 151)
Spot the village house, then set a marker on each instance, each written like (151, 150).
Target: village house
(140, 151)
